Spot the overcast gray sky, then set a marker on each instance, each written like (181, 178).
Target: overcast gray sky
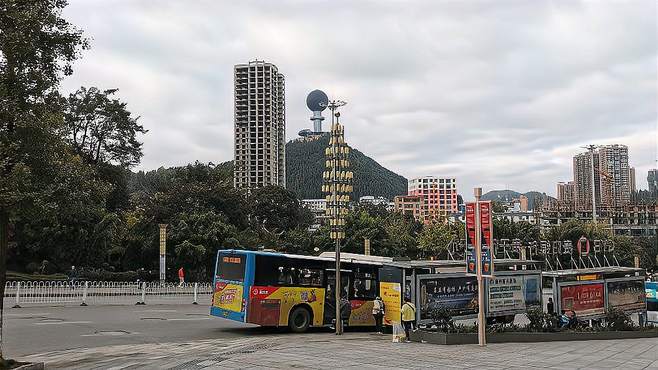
(500, 94)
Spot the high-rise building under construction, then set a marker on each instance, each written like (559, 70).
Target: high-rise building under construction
(260, 126)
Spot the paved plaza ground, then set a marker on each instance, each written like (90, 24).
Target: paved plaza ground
(356, 350)
(176, 337)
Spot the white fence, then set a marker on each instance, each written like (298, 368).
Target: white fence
(29, 293)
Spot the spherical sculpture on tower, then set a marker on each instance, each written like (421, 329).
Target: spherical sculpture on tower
(317, 101)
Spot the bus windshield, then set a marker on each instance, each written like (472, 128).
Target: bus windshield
(231, 266)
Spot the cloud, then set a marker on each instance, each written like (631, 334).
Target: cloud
(497, 94)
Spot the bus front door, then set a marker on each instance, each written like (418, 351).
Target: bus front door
(330, 297)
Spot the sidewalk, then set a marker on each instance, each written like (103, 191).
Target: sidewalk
(356, 350)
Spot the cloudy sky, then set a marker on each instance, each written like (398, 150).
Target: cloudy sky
(500, 94)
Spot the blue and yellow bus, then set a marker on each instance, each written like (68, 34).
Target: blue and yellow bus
(284, 290)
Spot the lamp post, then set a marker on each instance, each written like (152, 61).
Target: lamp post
(338, 184)
(482, 339)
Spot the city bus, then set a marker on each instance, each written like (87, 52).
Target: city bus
(285, 290)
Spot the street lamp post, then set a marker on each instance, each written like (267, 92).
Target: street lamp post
(338, 184)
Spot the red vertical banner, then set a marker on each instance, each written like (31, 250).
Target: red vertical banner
(486, 233)
(471, 259)
(486, 222)
(470, 223)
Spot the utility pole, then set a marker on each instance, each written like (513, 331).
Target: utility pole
(482, 339)
(338, 183)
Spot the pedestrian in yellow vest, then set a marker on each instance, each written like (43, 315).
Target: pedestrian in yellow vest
(408, 316)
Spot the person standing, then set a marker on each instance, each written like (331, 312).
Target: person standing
(378, 313)
(550, 306)
(181, 276)
(408, 317)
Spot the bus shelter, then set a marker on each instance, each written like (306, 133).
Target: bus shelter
(515, 288)
(592, 292)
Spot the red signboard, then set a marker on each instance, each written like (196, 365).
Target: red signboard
(470, 223)
(486, 236)
(485, 220)
(585, 299)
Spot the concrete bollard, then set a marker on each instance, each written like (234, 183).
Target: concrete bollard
(196, 290)
(18, 295)
(84, 294)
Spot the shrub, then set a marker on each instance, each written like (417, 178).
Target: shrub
(442, 318)
(617, 319)
(539, 321)
(32, 268)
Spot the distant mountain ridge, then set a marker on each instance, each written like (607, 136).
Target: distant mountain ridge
(534, 197)
(305, 162)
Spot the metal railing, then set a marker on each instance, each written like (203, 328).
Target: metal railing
(24, 293)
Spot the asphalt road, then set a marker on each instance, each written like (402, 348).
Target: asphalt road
(32, 330)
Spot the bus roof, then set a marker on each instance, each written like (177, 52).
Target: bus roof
(381, 260)
(344, 257)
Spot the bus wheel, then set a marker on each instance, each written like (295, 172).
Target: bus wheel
(299, 320)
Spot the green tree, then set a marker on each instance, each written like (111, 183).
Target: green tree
(101, 129)
(434, 240)
(276, 210)
(37, 47)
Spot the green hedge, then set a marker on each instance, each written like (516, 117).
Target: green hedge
(18, 276)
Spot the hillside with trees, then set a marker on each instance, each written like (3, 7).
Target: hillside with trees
(305, 163)
(535, 198)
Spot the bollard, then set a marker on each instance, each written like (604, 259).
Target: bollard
(196, 286)
(18, 294)
(84, 294)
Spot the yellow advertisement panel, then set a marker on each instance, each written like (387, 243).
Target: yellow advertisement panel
(228, 297)
(391, 294)
(288, 297)
(361, 313)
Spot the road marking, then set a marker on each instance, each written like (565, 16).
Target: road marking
(157, 311)
(190, 319)
(62, 322)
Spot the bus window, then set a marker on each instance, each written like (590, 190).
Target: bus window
(288, 276)
(311, 277)
(365, 286)
(231, 267)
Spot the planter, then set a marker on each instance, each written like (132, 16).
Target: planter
(526, 337)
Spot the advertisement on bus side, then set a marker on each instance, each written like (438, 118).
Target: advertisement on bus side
(228, 296)
(271, 305)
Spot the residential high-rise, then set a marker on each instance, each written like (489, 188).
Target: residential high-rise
(631, 179)
(439, 195)
(523, 203)
(260, 126)
(612, 184)
(652, 179)
(565, 194)
(582, 178)
(616, 174)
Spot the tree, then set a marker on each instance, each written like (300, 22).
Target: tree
(276, 210)
(434, 239)
(101, 129)
(37, 47)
